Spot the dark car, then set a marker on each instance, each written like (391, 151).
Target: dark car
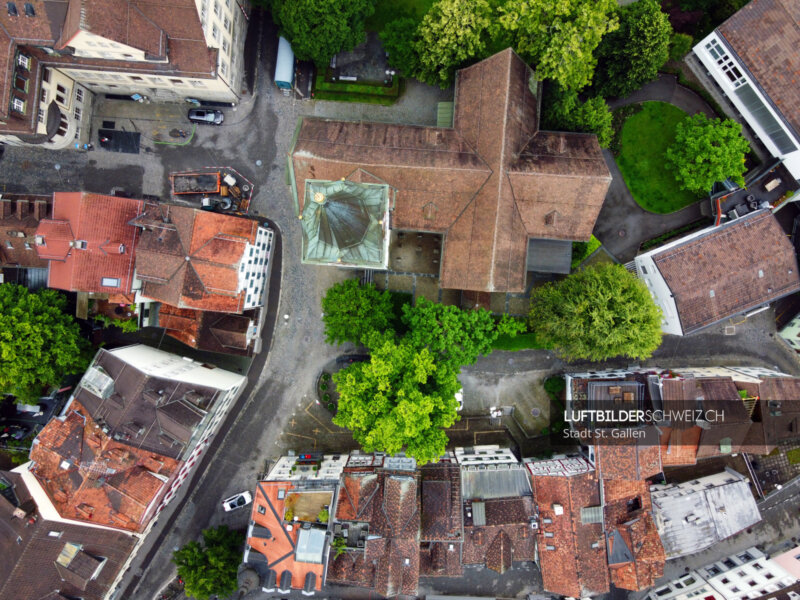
(208, 117)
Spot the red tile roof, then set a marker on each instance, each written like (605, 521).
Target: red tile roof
(736, 267)
(488, 184)
(629, 458)
(21, 213)
(101, 222)
(279, 548)
(190, 258)
(506, 537)
(91, 477)
(570, 566)
(766, 37)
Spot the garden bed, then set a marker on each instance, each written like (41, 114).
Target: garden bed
(326, 392)
(367, 93)
(644, 140)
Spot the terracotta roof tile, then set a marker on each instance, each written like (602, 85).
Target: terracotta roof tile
(90, 477)
(212, 331)
(573, 560)
(101, 222)
(21, 214)
(190, 258)
(441, 502)
(486, 184)
(745, 263)
(623, 458)
(506, 537)
(765, 36)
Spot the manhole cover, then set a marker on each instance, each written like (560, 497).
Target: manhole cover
(536, 412)
(730, 330)
(622, 233)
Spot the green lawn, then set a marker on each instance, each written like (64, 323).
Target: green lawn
(522, 341)
(793, 456)
(389, 10)
(645, 139)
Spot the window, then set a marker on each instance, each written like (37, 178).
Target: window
(18, 105)
(110, 282)
(217, 10)
(178, 81)
(261, 510)
(734, 589)
(725, 580)
(46, 76)
(215, 33)
(43, 96)
(226, 23)
(757, 566)
(225, 46)
(77, 114)
(223, 68)
(24, 61)
(136, 78)
(761, 114)
(61, 88)
(768, 576)
(41, 115)
(54, 534)
(21, 82)
(549, 534)
(79, 95)
(752, 583)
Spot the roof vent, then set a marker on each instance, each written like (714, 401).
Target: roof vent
(29, 12)
(711, 294)
(760, 274)
(12, 9)
(558, 509)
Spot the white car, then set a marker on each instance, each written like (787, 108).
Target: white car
(238, 501)
(460, 399)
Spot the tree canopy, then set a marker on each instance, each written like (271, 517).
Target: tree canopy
(706, 151)
(401, 398)
(351, 311)
(596, 314)
(39, 342)
(564, 111)
(399, 41)
(558, 37)
(451, 33)
(454, 336)
(631, 56)
(210, 569)
(318, 29)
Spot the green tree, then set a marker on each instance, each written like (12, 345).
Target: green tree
(706, 151)
(351, 311)
(400, 398)
(680, 44)
(631, 56)
(210, 569)
(596, 314)
(564, 111)
(399, 41)
(452, 33)
(558, 37)
(318, 29)
(452, 335)
(39, 342)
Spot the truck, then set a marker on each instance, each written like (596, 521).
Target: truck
(196, 183)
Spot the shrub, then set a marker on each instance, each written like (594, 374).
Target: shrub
(680, 44)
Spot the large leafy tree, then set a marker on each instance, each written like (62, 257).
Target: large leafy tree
(457, 337)
(318, 29)
(399, 40)
(401, 398)
(706, 151)
(210, 569)
(597, 313)
(351, 311)
(564, 111)
(451, 33)
(558, 37)
(39, 342)
(631, 56)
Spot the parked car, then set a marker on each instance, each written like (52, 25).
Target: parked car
(460, 399)
(17, 432)
(238, 501)
(206, 116)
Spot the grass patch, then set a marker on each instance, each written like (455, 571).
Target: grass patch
(389, 10)
(368, 89)
(644, 142)
(521, 341)
(582, 250)
(335, 97)
(793, 456)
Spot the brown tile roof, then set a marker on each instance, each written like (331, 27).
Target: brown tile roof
(29, 569)
(679, 446)
(440, 559)
(766, 37)
(273, 540)
(207, 330)
(506, 537)
(746, 263)
(134, 412)
(441, 502)
(91, 477)
(389, 502)
(641, 537)
(100, 221)
(629, 458)
(21, 213)
(190, 258)
(573, 567)
(487, 184)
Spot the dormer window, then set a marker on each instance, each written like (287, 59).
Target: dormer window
(18, 105)
(81, 244)
(21, 83)
(24, 61)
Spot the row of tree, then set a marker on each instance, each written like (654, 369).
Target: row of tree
(404, 396)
